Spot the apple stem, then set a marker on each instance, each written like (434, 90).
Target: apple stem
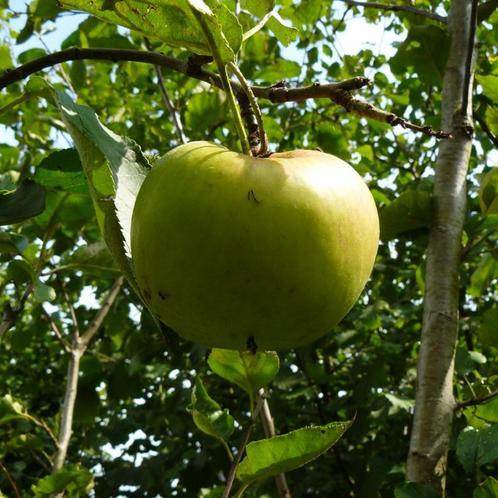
(263, 146)
(222, 68)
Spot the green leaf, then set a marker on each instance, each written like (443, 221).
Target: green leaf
(488, 489)
(12, 409)
(489, 83)
(26, 31)
(27, 201)
(71, 478)
(330, 139)
(78, 74)
(62, 170)
(487, 411)
(491, 117)
(5, 58)
(477, 447)
(19, 271)
(46, 9)
(415, 490)
(411, 210)
(488, 192)
(31, 54)
(258, 7)
(25, 441)
(91, 257)
(483, 275)
(281, 69)
(170, 21)
(487, 331)
(9, 406)
(43, 292)
(9, 243)
(399, 403)
(208, 415)
(466, 451)
(115, 168)
(417, 52)
(279, 454)
(216, 492)
(204, 110)
(285, 34)
(249, 371)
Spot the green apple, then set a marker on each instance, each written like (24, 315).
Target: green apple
(237, 252)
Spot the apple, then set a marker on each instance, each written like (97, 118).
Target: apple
(239, 252)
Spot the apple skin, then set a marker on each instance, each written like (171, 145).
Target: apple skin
(233, 251)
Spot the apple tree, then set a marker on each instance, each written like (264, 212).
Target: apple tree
(99, 397)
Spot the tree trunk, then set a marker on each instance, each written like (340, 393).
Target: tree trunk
(435, 403)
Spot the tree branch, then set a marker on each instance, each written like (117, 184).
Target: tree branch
(11, 481)
(467, 87)
(56, 330)
(168, 102)
(242, 447)
(269, 429)
(77, 350)
(69, 304)
(66, 428)
(94, 326)
(337, 92)
(397, 8)
(476, 401)
(434, 401)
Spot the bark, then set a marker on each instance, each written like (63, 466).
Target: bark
(76, 351)
(68, 409)
(435, 403)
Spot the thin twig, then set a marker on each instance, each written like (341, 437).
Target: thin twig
(467, 87)
(476, 401)
(56, 330)
(61, 71)
(168, 102)
(397, 8)
(9, 478)
(43, 425)
(337, 92)
(269, 429)
(339, 24)
(322, 418)
(69, 304)
(242, 447)
(486, 129)
(94, 326)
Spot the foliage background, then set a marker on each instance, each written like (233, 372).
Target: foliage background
(131, 427)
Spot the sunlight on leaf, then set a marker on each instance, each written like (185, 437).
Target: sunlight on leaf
(249, 371)
(280, 454)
